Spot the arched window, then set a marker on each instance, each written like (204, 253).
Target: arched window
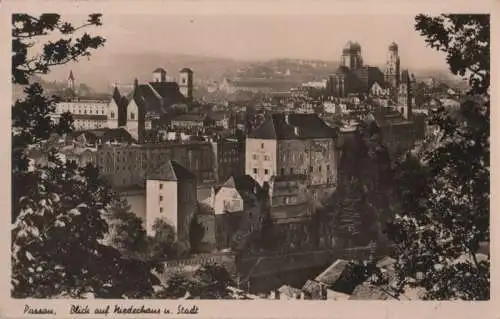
(132, 116)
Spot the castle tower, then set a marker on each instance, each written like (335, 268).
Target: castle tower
(186, 83)
(351, 56)
(71, 81)
(392, 72)
(159, 75)
(405, 96)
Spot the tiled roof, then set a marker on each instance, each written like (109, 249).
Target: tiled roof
(313, 289)
(330, 276)
(171, 171)
(369, 292)
(244, 184)
(293, 126)
(106, 134)
(89, 117)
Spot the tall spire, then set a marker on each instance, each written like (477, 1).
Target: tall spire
(71, 81)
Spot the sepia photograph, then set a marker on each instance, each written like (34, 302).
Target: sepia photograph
(250, 157)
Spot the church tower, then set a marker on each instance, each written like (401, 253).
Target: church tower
(71, 81)
(392, 72)
(186, 83)
(351, 56)
(405, 96)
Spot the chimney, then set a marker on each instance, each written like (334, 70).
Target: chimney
(136, 83)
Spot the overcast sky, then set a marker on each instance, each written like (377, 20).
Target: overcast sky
(266, 37)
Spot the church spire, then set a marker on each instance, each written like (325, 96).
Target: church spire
(71, 81)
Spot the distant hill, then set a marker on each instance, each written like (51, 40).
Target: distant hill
(99, 73)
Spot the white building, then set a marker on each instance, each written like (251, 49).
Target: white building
(171, 196)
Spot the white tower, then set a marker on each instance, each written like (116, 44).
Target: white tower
(186, 83)
(159, 75)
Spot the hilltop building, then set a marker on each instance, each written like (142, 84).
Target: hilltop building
(352, 76)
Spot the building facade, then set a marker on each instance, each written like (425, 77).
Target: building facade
(291, 145)
(171, 196)
(127, 165)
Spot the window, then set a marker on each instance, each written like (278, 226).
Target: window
(266, 172)
(161, 209)
(254, 156)
(132, 116)
(311, 169)
(262, 145)
(291, 170)
(161, 198)
(255, 171)
(319, 168)
(327, 168)
(112, 115)
(161, 186)
(282, 171)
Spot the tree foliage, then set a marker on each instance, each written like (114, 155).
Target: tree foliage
(56, 239)
(446, 212)
(162, 245)
(209, 281)
(465, 38)
(27, 29)
(58, 209)
(126, 232)
(196, 234)
(361, 204)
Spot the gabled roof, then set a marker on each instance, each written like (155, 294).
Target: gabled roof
(293, 126)
(331, 274)
(245, 185)
(171, 171)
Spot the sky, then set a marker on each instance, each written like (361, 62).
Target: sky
(255, 37)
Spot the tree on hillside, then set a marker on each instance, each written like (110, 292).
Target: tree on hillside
(126, 232)
(362, 201)
(56, 249)
(209, 281)
(162, 245)
(57, 209)
(196, 234)
(446, 215)
(348, 210)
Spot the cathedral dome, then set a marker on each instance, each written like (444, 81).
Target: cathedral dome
(352, 47)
